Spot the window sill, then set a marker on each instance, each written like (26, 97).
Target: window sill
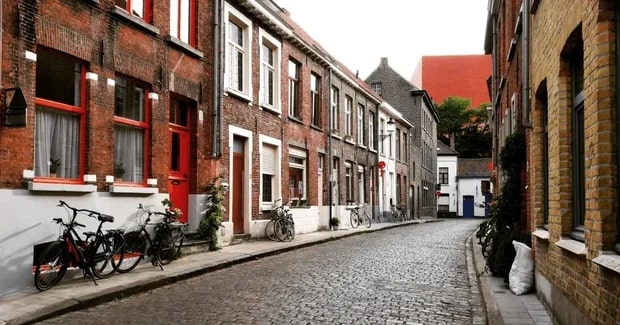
(241, 96)
(59, 187)
(121, 13)
(295, 119)
(119, 189)
(316, 127)
(541, 234)
(349, 140)
(336, 136)
(573, 246)
(184, 46)
(362, 146)
(270, 109)
(609, 260)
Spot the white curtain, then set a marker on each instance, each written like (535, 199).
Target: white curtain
(56, 137)
(129, 151)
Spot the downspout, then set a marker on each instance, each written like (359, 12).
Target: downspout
(329, 147)
(526, 65)
(218, 52)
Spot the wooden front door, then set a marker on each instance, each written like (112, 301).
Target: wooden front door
(178, 175)
(237, 197)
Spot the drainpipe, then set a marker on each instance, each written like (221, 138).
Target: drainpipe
(329, 147)
(526, 65)
(218, 72)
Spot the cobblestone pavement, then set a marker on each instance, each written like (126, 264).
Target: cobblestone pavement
(414, 274)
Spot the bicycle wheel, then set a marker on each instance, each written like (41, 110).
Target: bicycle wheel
(285, 230)
(135, 247)
(270, 230)
(52, 265)
(101, 257)
(355, 219)
(165, 247)
(366, 219)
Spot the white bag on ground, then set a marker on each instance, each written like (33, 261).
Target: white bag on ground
(521, 276)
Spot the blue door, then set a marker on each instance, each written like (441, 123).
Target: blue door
(468, 206)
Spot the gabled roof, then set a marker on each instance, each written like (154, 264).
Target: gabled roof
(444, 150)
(474, 168)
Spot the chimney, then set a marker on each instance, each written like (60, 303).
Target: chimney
(384, 61)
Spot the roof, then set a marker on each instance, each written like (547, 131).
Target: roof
(444, 150)
(474, 167)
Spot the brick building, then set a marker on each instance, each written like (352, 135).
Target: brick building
(567, 55)
(114, 103)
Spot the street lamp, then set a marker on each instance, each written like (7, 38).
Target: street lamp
(390, 129)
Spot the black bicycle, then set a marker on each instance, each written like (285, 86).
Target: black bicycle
(359, 216)
(163, 247)
(281, 227)
(98, 254)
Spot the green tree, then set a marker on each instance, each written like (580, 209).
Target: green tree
(453, 115)
(464, 129)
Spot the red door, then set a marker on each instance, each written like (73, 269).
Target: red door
(237, 186)
(178, 176)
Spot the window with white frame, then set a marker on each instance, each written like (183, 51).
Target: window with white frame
(348, 178)
(443, 175)
(297, 173)
(398, 144)
(183, 20)
(361, 184)
(130, 128)
(360, 124)
(335, 107)
(60, 115)
(376, 87)
(381, 132)
(237, 72)
(315, 99)
(294, 70)
(348, 115)
(139, 8)
(269, 72)
(269, 165)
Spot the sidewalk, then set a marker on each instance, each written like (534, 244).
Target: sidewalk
(30, 305)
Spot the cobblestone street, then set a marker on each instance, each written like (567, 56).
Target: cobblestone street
(414, 274)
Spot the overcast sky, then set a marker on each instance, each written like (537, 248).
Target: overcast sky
(359, 33)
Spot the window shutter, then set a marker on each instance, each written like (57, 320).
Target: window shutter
(268, 160)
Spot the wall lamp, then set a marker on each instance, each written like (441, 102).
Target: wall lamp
(391, 126)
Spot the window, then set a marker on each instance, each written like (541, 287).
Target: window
(269, 72)
(293, 88)
(315, 99)
(138, 8)
(405, 152)
(237, 73)
(335, 108)
(575, 61)
(443, 175)
(371, 130)
(348, 115)
(398, 146)
(268, 174)
(349, 181)
(360, 124)
(131, 128)
(183, 20)
(381, 132)
(60, 115)
(361, 184)
(399, 197)
(297, 173)
(376, 87)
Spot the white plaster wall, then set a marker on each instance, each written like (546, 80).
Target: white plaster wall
(451, 162)
(27, 220)
(471, 186)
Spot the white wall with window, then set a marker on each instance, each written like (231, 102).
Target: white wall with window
(238, 66)
(270, 171)
(447, 167)
(270, 71)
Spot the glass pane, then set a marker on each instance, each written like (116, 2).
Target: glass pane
(57, 135)
(56, 78)
(175, 156)
(129, 99)
(129, 152)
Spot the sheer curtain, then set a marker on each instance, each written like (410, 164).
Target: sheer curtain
(129, 151)
(56, 137)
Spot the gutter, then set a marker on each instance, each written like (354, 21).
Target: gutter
(526, 66)
(329, 148)
(218, 51)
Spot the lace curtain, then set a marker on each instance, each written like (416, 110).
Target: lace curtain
(129, 151)
(56, 138)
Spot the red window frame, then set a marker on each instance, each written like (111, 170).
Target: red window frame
(148, 8)
(192, 21)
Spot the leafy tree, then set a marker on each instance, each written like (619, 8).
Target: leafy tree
(464, 129)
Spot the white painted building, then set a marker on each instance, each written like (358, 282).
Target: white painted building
(474, 187)
(447, 189)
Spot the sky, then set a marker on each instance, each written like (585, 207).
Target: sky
(359, 33)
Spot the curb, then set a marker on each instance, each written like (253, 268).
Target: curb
(493, 314)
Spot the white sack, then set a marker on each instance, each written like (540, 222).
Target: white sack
(521, 276)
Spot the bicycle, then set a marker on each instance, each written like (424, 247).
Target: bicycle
(281, 226)
(98, 255)
(403, 212)
(397, 215)
(358, 218)
(162, 248)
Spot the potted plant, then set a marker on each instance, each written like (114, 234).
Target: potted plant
(334, 223)
(119, 171)
(53, 165)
